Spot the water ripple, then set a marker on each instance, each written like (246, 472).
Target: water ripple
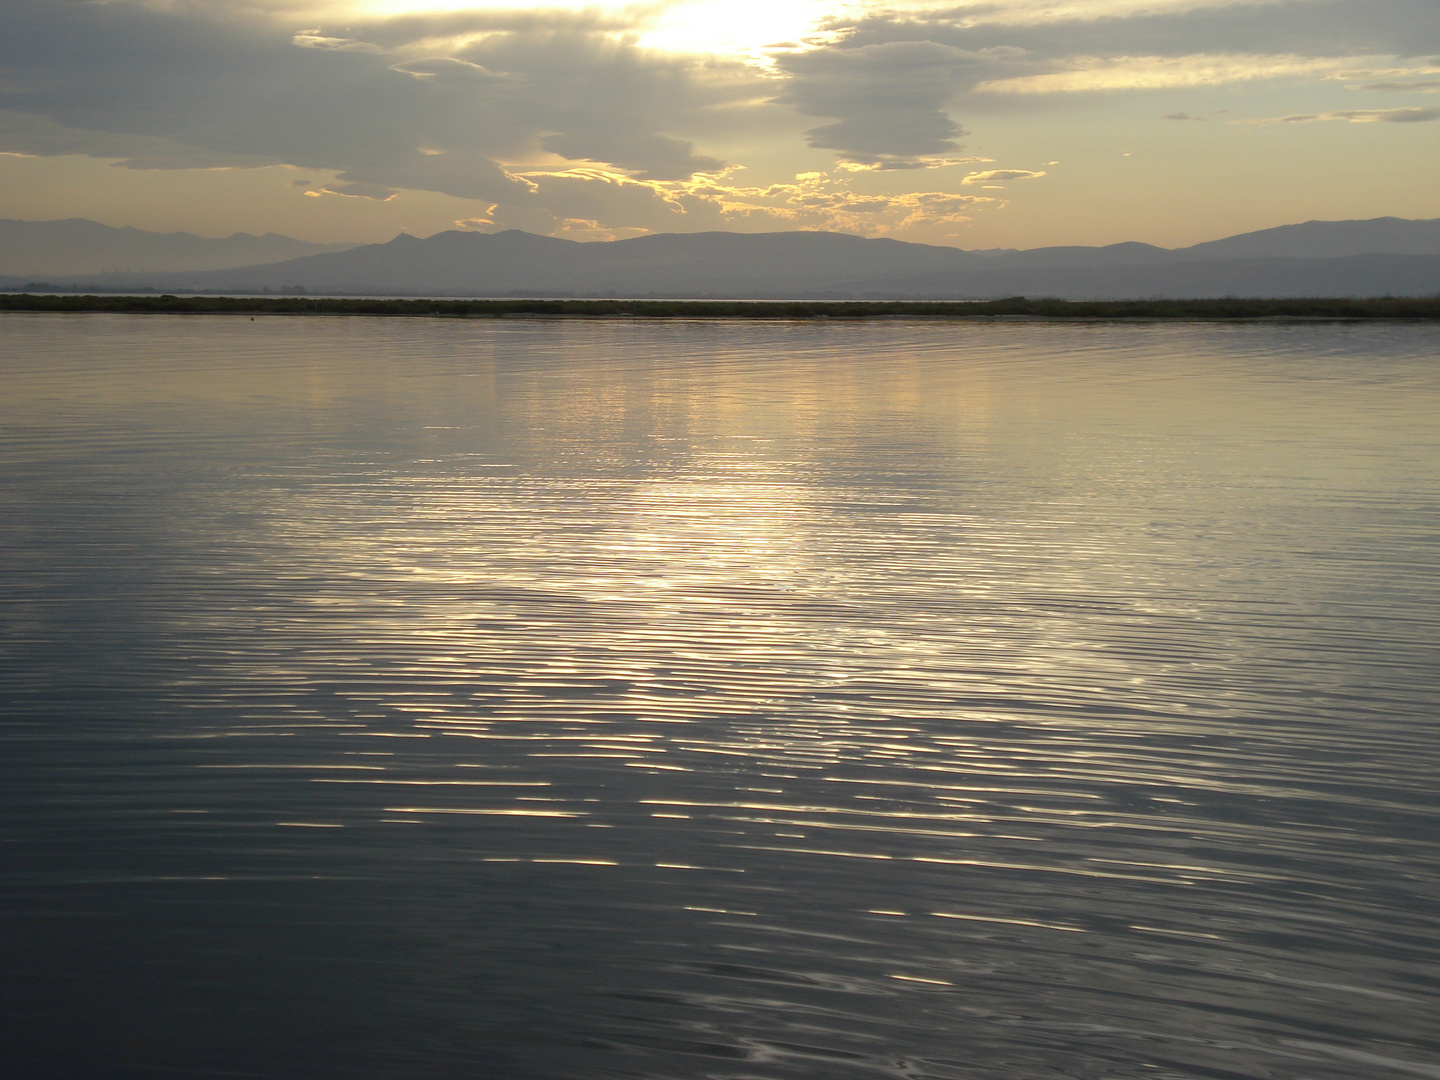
(703, 700)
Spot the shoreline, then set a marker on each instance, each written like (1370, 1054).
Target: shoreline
(1015, 308)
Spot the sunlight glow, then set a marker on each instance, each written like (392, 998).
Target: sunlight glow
(736, 28)
(388, 8)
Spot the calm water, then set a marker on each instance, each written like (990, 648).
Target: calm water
(589, 700)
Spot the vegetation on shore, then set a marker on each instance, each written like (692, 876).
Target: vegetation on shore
(1014, 307)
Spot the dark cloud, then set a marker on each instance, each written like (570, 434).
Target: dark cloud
(240, 89)
(1400, 116)
(887, 100)
(608, 103)
(1314, 28)
(39, 136)
(208, 85)
(889, 82)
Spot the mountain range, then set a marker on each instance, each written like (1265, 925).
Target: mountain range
(75, 246)
(1383, 256)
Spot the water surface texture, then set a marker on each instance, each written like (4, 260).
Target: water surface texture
(705, 701)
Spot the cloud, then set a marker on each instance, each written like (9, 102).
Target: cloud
(893, 80)
(26, 135)
(1057, 36)
(995, 176)
(1414, 115)
(1023, 13)
(576, 202)
(1385, 116)
(1038, 48)
(590, 196)
(936, 208)
(229, 92)
(651, 156)
(315, 40)
(1181, 116)
(421, 104)
(447, 69)
(439, 104)
(882, 163)
(590, 98)
(1424, 87)
(886, 100)
(890, 80)
(1089, 74)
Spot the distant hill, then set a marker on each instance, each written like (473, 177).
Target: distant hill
(514, 263)
(77, 246)
(1326, 240)
(1353, 258)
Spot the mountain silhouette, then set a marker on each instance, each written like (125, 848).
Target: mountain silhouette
(1386, 256)
(78, 246)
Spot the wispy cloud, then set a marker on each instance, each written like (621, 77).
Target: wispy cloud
(1428, 86)
(1093, 73)
(995, 176)
(596, 204)
(1413, 115)
(856, 162)
(1041, 13)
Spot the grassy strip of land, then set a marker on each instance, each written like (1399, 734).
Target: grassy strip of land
(1016, 307)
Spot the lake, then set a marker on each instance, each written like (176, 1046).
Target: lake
(586, 700)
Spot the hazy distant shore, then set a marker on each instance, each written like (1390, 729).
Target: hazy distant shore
(1015, 307)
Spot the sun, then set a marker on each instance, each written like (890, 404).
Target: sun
(745, 29)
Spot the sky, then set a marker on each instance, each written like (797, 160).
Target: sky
(1007, 123)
